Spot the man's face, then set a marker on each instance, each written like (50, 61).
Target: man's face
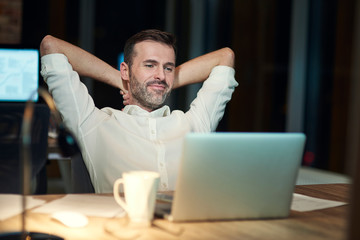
(152, 74)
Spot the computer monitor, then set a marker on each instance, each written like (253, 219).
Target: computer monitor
(19, 74)
(120, 59)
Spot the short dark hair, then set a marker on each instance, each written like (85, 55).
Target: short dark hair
(151, 35)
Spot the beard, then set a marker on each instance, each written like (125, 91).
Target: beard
(150, 99)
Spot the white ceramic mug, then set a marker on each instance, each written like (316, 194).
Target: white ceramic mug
(140, 188)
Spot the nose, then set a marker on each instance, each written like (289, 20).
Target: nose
(160, 74)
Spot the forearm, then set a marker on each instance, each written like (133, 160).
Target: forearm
(198, 69)
(83, 62)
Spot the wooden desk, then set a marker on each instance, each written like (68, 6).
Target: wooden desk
(329, 223)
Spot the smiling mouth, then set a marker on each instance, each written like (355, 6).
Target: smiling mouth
(157, 85)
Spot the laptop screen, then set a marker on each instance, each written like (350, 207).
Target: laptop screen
(19, 74)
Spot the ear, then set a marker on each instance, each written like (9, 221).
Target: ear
(125, 71)
(125, 75)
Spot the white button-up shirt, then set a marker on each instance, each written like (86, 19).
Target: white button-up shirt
(114, 141)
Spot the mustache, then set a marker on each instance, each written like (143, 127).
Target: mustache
(158, 82)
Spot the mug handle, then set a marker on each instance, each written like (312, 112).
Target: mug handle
(117, 197)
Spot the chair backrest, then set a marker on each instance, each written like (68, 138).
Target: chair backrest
(354, 213)
(81, 182)
(11, 116)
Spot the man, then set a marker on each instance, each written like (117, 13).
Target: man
(145, 135)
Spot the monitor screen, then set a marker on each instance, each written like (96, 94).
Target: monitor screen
(19, 74)
(120, 60)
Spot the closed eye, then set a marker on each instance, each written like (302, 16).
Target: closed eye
(169, 69)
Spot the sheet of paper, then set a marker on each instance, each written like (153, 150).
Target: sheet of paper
(302, 203)
(11, 204)
(90, 205)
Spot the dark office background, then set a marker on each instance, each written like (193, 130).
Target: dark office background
(261, 33)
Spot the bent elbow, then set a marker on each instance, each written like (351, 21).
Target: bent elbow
(47, 45)
(228, 57)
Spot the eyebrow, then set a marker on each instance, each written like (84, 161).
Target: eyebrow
(154, 61)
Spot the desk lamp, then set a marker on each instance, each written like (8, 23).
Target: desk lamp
(68, 147)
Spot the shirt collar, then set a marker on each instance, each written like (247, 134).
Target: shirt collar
(138, 111)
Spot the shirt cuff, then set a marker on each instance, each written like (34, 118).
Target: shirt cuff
(223, 72)
(229, 71)
(53, 62)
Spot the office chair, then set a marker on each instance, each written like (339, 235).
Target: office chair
(81, 182)
(11, 115)
(354, 213)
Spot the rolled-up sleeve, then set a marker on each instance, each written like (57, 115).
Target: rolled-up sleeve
(208, 108)
(70, 94)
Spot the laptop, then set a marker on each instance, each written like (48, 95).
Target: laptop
(226, 176)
